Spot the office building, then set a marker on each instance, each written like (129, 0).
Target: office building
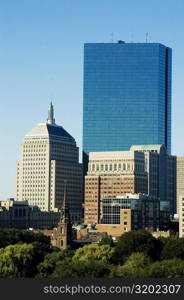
(49, 157)
(146, 169)
(127, 96)
(165, 216)
(181, 215)
(161, 170)
(180, 179)
(133, 211)
(112, 174)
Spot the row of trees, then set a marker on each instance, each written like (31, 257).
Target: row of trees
(136, 255)
(21, 251)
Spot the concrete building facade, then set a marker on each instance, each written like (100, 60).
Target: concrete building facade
(146, 169)
(112, 174)
(181, 215)
(49, 156)
(180, 180)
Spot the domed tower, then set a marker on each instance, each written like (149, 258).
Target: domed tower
(48, 157)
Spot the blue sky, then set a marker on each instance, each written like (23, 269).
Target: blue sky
(41, 55)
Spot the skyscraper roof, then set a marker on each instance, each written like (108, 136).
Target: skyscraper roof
(49, 129)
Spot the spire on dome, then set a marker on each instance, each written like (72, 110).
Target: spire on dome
(50, 119)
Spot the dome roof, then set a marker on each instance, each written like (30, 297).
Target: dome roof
(49, 130)
(44, 130)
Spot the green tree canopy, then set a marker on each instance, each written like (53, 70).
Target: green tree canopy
(173, 248)
(16, 260)
(47, 267)
(101, 253)
(11, 236)
(107, 240)
(134, 267)
(173, 268)
(88, 269)
(137, 241)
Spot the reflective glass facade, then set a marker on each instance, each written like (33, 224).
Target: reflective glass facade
(127, 96)
(144, 211)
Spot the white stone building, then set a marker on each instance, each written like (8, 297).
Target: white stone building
(49, 157)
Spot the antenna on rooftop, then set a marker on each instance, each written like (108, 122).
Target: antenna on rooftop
(51, 97)
(132, 38)
(146, 37)
(112, 37)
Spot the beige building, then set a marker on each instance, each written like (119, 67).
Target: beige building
(112, 174)
(146, 169)
(116, 230)
(180, 179)
(49, 157)
(181, 215)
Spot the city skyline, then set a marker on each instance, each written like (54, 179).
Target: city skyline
(43, 59)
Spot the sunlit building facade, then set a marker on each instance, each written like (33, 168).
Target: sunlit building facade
(127, 96)
(49, 159)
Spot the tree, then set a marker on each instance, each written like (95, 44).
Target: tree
(11, 236)
(136, 241)
(88, 269)
(134, 267)
(93, 252)
(107, 240)
(173, 248)
(16, 261)
(8, 236)
(173, 268)
(47, 267)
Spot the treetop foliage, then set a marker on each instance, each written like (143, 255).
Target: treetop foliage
(96, 252)
(136, 255)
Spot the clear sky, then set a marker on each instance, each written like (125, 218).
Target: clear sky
(41, 55)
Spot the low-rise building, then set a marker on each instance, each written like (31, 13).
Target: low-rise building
(133, 211)
(19, 214)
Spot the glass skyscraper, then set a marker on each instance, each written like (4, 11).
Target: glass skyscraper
(127, 96)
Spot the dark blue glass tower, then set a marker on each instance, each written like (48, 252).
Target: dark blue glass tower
(127, 96)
